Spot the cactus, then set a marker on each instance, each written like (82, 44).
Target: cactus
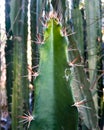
(53, 106)
(78, 29)
(63, 94)
(79, 80)
(81, 84)
(92, 23)
(35, 11)
(19, 103)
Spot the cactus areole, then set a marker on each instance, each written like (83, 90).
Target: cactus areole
(53, 106)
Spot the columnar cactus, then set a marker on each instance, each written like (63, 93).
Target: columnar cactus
(19, 103)
(81, 84)
(54, 105)
(62, 91)
(93, 23)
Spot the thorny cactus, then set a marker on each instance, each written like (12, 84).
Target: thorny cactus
(57, 69)
(54, 105)
(19, 82)
(61, 86)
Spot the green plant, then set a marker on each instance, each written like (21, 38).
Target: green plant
(53, 106)
(18, 16)
(65, 96)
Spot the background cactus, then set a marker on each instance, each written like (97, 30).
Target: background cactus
(80, 82)
(18, 16)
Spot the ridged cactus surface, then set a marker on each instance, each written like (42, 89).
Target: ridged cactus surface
(19, 103)
(53, 107)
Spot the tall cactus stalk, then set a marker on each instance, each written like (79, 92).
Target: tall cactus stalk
(93, 22)
(92, 18)
(35, 11)
(20, 84)
(79, 80)
(63, 94)
(80, 83)
(53, 107)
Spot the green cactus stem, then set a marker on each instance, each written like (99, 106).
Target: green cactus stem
(53, 108)
(19, 104)
(82, 85)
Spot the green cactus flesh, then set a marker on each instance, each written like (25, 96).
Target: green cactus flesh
(53, 108)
